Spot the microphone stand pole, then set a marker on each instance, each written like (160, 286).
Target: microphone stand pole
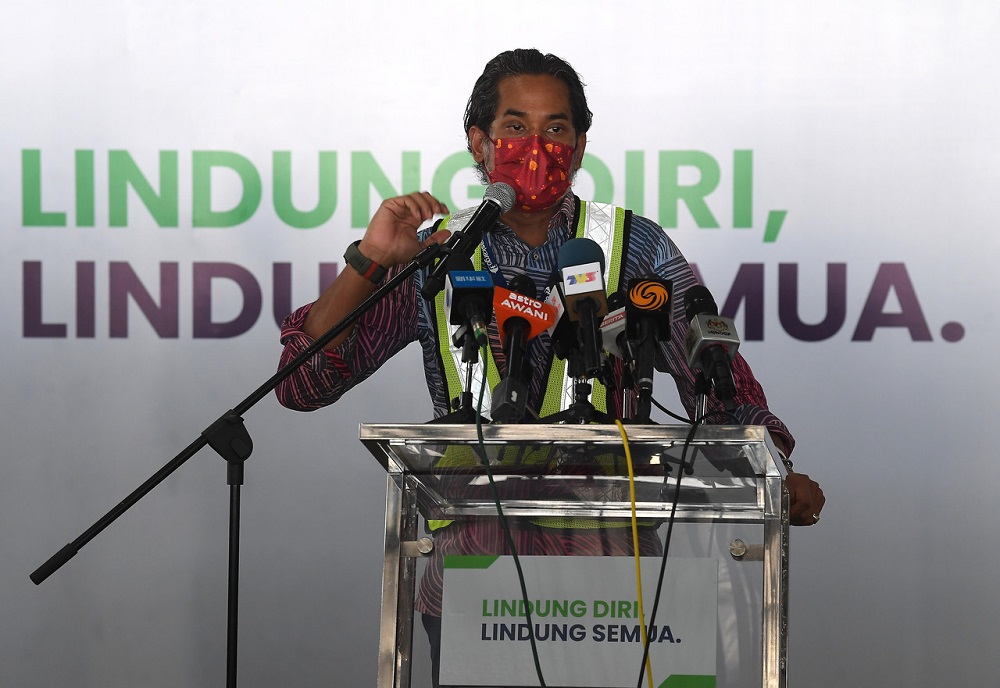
(229, 437)
(581, 411)
(464, 410)
(701, 391)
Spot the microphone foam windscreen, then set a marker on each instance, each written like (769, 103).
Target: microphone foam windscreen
(522, 284)
(698, 301)
(580, 251)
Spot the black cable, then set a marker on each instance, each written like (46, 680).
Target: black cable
(670, 413)
(670, 525)
(666, 549)
(481, 447)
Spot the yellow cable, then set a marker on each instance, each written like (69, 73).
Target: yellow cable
(635, 547)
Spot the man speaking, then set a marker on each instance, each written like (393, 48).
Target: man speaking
(526, 124)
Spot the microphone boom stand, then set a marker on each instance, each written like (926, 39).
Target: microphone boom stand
(464, 410)
(229, 437)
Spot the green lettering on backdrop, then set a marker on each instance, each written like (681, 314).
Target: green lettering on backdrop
(604, 183)
(85, 194)
(635, 181)
(685, 177)
(366, 173)
(742, 189)
(202, 214)
(282, 191)
(124, 173)
(445, 173)
(693, 195)
(32, 214)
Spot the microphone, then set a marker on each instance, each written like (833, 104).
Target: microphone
(467, 299)
(711, 343)
(561, 331)
(497, 200)
(520, 318)
(614, 335)
(648, 308)
(581, 263)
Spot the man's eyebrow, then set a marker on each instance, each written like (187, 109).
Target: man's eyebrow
(511, 112)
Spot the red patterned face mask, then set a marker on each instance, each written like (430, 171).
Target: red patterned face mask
(537, 168)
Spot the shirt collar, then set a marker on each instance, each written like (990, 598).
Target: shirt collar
(564, 216)
(561, 224)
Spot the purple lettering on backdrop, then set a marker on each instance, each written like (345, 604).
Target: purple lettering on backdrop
(746, 293)
(203, 326)
(748, 289)
(123, 283)
(788, 303)
(86, 300)
(31, 324)
(281, 274)
(892, 276)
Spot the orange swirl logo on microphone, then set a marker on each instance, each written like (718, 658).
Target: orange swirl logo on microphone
(648, 295)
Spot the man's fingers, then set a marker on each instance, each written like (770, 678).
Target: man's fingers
(806, 499)
(420, 206)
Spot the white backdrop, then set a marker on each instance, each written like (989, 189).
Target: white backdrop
(873, 125)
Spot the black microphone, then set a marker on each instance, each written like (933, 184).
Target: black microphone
(468, 298)
(711, 343)
(581, 262)
(497, 200)
(520, 318)
(648, 313)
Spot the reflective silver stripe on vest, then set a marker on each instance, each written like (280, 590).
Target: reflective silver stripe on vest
(598, 221)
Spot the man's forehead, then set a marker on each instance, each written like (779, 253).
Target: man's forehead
(533, 94)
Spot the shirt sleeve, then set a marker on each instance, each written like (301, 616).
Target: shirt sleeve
(381, 333)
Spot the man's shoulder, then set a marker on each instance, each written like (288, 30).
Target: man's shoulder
(644, 224)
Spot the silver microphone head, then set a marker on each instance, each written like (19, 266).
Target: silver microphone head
(502, 194)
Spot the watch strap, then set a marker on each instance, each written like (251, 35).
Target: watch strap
(364, 266)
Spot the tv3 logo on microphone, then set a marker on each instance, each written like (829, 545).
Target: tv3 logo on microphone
(581, 279)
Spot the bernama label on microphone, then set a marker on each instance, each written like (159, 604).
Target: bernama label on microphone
(470, 278)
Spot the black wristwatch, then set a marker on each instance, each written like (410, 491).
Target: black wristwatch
(365, 267)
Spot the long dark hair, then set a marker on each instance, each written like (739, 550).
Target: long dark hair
(482, 106)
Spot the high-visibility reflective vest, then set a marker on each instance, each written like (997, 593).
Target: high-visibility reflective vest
(603, 223)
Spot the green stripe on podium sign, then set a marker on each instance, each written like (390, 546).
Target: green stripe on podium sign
(469, 561)
(688, 681)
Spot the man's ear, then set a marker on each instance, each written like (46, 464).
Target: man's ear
(581, 145)
(477, 142)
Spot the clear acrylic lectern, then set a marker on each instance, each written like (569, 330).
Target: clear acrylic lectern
(732, 509)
